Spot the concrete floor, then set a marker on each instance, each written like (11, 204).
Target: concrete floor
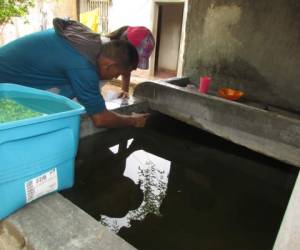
(137, 77)
(54, 223)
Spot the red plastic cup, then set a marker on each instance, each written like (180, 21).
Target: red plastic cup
(204, 84)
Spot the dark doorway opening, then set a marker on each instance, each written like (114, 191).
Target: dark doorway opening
(169, 28)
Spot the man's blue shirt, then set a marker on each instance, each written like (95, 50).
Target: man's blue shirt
(45, 60)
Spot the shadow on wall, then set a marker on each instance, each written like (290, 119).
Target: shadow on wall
(237, 74)
(240, 74)
(243, 47)
(219, 54)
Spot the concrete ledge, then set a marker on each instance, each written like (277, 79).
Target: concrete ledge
(54, 223)
(267, 132)
(178, 81)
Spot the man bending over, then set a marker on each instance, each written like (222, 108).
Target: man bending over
(47, 60)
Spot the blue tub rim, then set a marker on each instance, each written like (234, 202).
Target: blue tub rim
(77, 109)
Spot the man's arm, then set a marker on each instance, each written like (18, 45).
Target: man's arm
(85, 85)
(110, 119)
(125, 85)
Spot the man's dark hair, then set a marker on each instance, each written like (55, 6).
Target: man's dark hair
(119, 34)
(122, 52)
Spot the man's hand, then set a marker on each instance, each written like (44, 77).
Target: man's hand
(139, 120)
(110, 119)
(124, 95)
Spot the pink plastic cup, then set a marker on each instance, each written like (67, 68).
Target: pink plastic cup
(204, 84)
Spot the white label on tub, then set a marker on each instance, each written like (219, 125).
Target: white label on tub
(41, 185)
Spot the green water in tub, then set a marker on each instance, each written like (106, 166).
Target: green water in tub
(10, 111)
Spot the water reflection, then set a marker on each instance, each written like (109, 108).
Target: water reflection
(216, 196)
(151, 173)
(115, 149)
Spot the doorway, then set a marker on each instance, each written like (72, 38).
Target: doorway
(169, 29)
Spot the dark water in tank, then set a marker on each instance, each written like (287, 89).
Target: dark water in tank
(172, 186)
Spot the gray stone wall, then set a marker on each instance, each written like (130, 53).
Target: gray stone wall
(251, 45)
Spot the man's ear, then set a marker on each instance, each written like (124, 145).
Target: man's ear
(104, 64)
(105, 61)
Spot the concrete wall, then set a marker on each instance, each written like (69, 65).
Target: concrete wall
(251, 45)
(171, 22)
(272, 133)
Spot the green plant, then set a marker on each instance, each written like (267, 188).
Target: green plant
(13, 8)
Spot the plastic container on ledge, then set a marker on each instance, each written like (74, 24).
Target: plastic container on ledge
(37, 152)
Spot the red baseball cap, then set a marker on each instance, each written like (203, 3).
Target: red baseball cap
(143, 40)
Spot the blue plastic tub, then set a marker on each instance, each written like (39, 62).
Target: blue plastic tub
(37, 154)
